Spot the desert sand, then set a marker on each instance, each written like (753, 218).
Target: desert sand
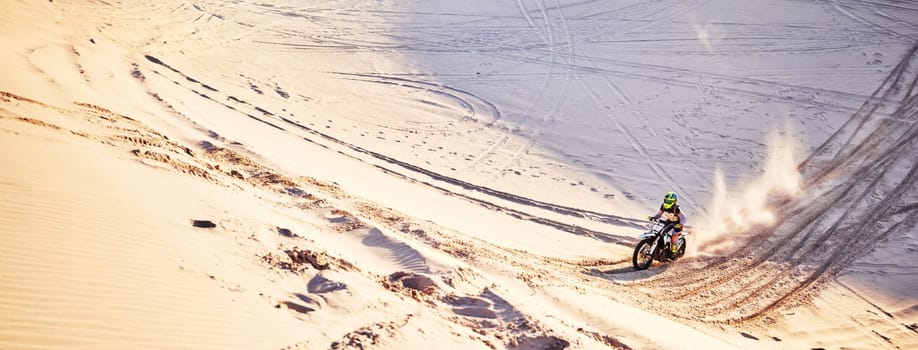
(357, 174)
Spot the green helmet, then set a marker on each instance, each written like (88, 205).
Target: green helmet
(669, 200)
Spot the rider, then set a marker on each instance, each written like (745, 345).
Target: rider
(673, 215)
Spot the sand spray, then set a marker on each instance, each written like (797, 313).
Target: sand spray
(733, 212)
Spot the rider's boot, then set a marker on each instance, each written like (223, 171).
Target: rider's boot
(668, 251)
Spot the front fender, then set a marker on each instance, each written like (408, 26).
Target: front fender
(646, 235)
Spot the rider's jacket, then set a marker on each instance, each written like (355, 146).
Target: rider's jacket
(671, 214)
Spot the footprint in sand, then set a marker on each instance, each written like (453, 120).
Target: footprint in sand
(471, 307)
(321, 285)
(336, 215)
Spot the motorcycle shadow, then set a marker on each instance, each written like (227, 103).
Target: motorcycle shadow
(623, 274)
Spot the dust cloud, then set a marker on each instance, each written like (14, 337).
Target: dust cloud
(732, 213)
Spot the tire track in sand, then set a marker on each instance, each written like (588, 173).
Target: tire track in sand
(550, 117)
(416, 173)
(873, 163)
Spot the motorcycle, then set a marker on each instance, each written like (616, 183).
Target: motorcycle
(655, 245)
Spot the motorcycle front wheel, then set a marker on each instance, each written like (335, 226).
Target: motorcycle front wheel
(643, 257)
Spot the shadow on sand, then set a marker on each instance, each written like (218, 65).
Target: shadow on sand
(625, 273)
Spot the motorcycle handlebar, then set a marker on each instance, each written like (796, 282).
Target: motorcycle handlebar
(686, 228)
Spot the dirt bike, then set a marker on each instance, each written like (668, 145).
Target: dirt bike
(655, 245)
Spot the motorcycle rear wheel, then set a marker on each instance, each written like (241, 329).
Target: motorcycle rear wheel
(681, 251)
(643, 257)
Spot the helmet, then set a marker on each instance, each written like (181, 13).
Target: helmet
(670, 199)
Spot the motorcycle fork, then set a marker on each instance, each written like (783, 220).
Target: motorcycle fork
(653, 249)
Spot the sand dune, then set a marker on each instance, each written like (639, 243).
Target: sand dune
(392, 175)
(96, 250)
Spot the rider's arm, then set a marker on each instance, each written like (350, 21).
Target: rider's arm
(660, 212)
(681, 219)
